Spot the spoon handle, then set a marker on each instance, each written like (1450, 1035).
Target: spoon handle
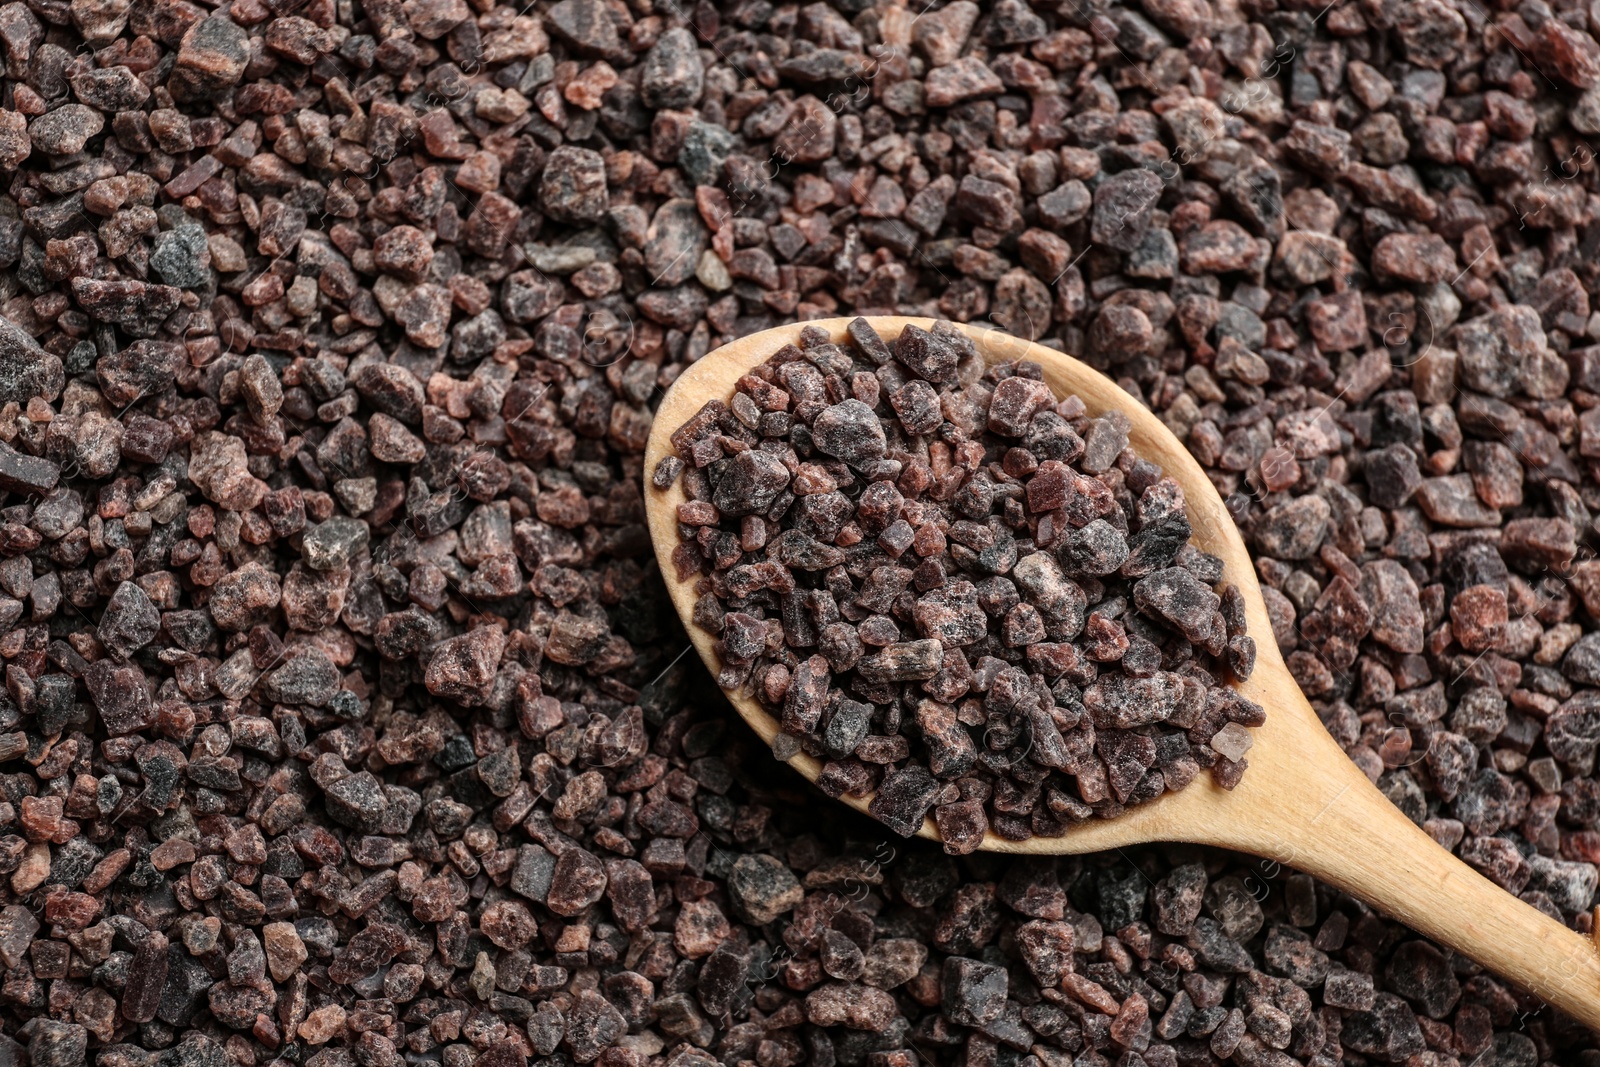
(1334, 824)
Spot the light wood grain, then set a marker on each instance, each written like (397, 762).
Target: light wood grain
(1301, 803)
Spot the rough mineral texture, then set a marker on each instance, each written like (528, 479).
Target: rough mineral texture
(966, 595)
(335, 330)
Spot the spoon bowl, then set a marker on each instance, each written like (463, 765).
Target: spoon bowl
(1301, 802)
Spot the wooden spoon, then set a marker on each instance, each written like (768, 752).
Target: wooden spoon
(1302, 802)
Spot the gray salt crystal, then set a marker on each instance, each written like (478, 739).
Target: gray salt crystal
(58, 513)
(185, 989)
(762, 888)
(673, 244)
(850, 431)
(1120, 702)
(1350, 990)
(1070, 202)
(357, 801)
(1453, 501)
(1582, 661)
(65, 129)
(73, 861)
(212, 57)
(1178, 899)
(1570, 885)
(1177, 597)
(573, 186)
(585, 25)
(903, 662)
(120, 694)
(1042, 581)
(785, 747)
(1096, 549)
(1392, 476)
(310, 678)
(1016, 400)
(1107, 437)
(750, 483)
(1397, 618)
(560, 259)
(533, 872)
(55, 1044)
(1293, 530)
(130, 621)
(904, 798)
(1423, 975)
(26, 369)
(848, 722)
(672, 76)
(706, 147)
(17, 928)
(331, 545)
(973, 993)
(22, 473)
(951, 615)
(927, 355)
(181, 256)
(1123, 204)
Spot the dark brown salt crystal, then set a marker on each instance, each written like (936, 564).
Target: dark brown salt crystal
(516, 369)
(864, 652)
